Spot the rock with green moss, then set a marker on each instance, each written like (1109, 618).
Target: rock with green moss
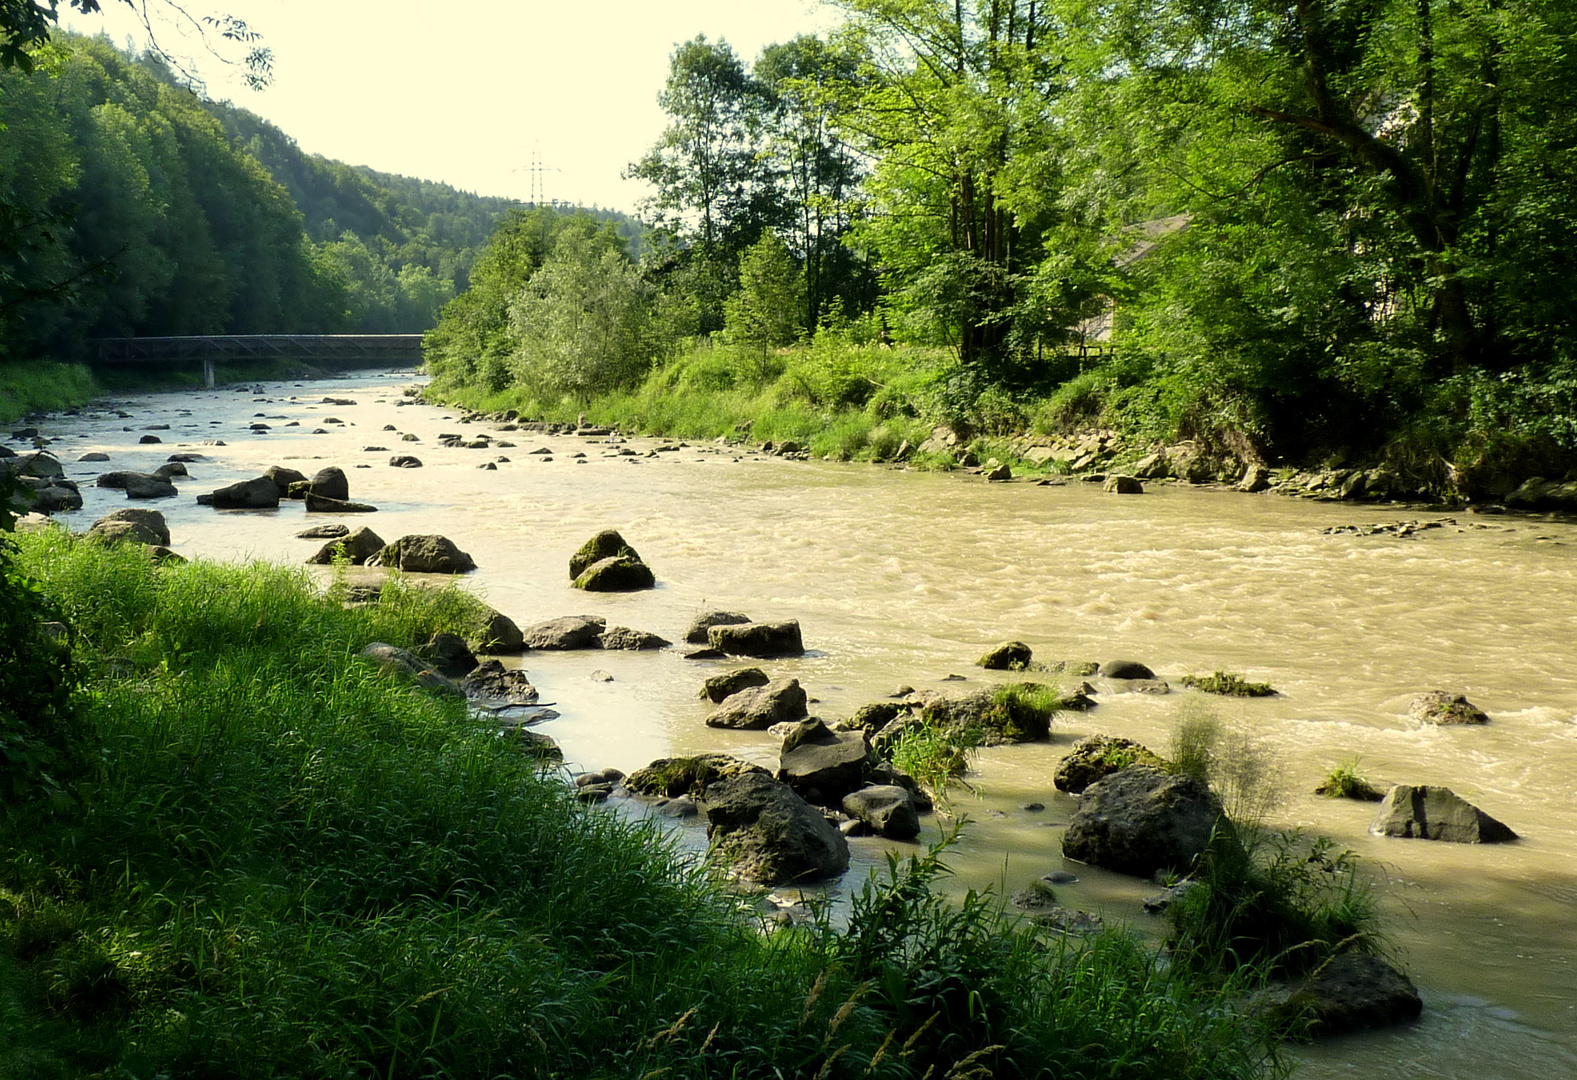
(607, 544)
(1228, 684)
(672, 777)
(1011, 713)
(1443, 707)
(617, 573)
(1096, 757)
(1008, 656)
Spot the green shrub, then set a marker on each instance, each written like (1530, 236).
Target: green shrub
(1282, 903)
(43, 739)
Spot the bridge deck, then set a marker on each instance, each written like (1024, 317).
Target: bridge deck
(338, 348)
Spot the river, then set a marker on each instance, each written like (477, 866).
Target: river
(904, 578)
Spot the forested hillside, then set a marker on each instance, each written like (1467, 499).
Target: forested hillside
(132, 206)
(1296, 230)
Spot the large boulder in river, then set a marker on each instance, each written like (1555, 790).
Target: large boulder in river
(1427, 812)
(283, 478)
(821, 764)
(140, 486)
(729, 683)
(1352, 992)
(761, 639)
(131, 523)
(607, 544)
(568, 632)
(1118, 484)
(426, 553)
(259, 494)
(1443, 707)
(759, 707)
(356, 547)
(1096, 757)
(618, 573)
(1008, 656)
(769, 834)
(696, 635)
(886, 809)
(1141, 820)
(330, 483)
(673, 777)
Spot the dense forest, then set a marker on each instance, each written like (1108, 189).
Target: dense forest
(130, 205)
(1295, 229)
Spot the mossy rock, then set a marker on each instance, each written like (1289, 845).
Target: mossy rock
(1012, 713)
(1097, 757)
(1228, 684)
(672, 777)
(618, 573)
(1008, 656)
(607, 544)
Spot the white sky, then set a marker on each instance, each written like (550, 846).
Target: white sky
(469, 93)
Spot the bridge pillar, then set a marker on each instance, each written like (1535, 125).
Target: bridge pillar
(208, 373)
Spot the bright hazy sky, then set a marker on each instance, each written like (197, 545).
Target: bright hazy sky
(470, 93)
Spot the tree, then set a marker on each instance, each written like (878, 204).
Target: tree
(580, 326)
(818, 176)
(768, 311)
(714, 196)
(954, 105)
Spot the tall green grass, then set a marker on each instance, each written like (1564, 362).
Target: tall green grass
(42, 386)
(283, 862)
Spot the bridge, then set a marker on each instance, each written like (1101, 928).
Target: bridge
(340, 350)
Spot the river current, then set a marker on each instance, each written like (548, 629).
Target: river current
(905, 578)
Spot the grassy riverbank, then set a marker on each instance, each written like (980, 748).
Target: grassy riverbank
(273, 860)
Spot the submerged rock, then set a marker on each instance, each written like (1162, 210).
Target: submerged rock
(1443, 707)
(1008, 656)
(322, 504)
(1427, 812)
(1126, 669)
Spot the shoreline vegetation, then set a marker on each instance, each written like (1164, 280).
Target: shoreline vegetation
(242, 851)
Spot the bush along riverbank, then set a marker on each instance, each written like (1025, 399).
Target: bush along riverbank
(233, 848)
(840, 398)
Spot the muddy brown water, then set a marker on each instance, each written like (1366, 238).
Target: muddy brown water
(905, 578)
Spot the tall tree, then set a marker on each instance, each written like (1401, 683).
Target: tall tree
(713, 194)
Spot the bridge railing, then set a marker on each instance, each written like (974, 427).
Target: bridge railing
(350, 350)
